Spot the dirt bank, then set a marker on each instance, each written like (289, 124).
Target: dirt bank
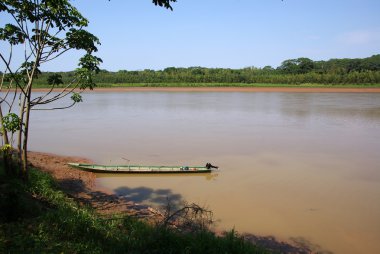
(233, 89)
(80, 185)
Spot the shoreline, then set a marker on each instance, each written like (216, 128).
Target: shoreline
(80, 185)
(229, 89)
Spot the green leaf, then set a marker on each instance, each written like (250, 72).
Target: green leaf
(3, 7)
(27, 68)
(11, 122)
(90, 62)
(76, 97)
(164, 3)
(81, 39)
(84, 77)
(12, 34)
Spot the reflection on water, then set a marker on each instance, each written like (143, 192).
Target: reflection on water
(294, 165)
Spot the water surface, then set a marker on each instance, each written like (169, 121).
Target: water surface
(293, 165)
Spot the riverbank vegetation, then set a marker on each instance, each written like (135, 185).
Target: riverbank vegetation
(36, 217)
(292, 72)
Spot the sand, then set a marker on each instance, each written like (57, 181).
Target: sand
(80, 185)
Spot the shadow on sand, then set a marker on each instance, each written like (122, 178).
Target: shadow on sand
(297, 245)
(132, 201)
(158, 197)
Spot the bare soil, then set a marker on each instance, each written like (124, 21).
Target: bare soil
(233, 89)
(80, 185)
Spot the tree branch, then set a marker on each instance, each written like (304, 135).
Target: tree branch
(32, 45)
(12, 74)
(60, 95)
(14, 96)
(46, 58)
(1, 87)
(55, 108)
(190, 217)
(5, 71)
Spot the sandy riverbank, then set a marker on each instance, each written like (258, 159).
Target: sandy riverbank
(80, 185)
(232, 89)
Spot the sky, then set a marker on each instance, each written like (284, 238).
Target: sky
(137, 35)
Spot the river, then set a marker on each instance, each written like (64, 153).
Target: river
(302, 166)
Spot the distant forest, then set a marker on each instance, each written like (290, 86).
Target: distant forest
(292, 71)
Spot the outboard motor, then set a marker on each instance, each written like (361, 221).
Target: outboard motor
(209, 166)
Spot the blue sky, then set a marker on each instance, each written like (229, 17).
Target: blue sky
(137, 35)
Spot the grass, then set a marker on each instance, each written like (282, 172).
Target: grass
(36, 217)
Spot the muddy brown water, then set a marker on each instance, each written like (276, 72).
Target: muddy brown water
(304, 166)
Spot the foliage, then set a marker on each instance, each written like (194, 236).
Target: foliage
(57, 224)
(294, 72)
(76, 97)
(6, 148)
(11, 122)
(164, 3)
(42, 31)
(46, 29)
(297, 66)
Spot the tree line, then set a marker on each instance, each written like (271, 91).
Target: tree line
(293, 71)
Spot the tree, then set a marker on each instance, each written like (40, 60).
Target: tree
(305, 65)
(297, 66)
(46, 29)
(42, 30)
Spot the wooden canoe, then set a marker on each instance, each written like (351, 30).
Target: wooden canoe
(135, 169)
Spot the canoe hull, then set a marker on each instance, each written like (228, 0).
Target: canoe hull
(133, 169)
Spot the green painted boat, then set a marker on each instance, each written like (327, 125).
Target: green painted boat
(135, 169)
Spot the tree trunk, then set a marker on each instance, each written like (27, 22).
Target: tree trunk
(20, 132)
(25, 109)
(24, 169)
